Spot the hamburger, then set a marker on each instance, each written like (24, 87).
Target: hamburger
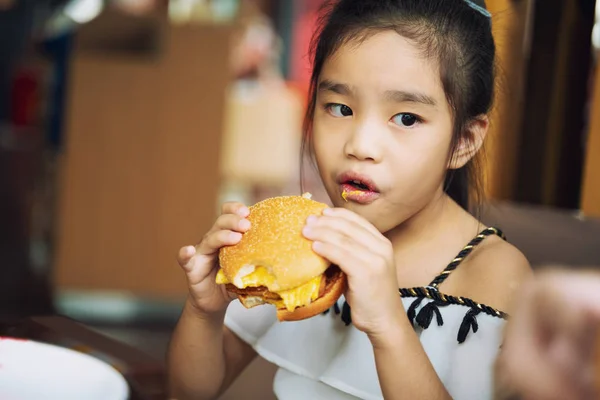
(274, 263)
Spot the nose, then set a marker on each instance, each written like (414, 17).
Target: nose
(364, 143)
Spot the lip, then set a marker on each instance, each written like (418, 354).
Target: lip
(347, 176)
(350, 193)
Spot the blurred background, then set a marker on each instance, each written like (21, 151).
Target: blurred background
(125, 123)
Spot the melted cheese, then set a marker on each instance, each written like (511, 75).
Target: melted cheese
(302, 295)
(290, 299)
(260, 277)
(221, 279)
(350, 193)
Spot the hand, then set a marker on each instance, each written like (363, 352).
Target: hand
(366, 256)
(200, 263)
(549, 350)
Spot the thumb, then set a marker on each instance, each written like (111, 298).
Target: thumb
(185, 258)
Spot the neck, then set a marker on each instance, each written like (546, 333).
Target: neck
(431, 237)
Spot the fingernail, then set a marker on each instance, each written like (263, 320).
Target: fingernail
(328, 211)
(190, 251)
(244, 224)
(235, 236)
(311, 220)
(243, 212)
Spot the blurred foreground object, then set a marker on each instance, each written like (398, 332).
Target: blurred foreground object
(551, 346)
(144, 374)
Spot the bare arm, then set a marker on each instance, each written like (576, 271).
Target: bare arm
(403, 368)
(204, 356)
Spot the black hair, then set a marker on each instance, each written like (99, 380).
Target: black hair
(452, 32)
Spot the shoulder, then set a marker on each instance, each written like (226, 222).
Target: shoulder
(493, 274)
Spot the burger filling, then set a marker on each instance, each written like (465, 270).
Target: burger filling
(257, 282)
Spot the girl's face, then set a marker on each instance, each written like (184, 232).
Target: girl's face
(382, 119)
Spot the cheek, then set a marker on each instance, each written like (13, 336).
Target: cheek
(420, 169)
(325, 145)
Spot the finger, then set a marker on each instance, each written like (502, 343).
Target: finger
(185, 255)
(231, 222)
(339, 231)
(213, 241)
(565, 316)
(573, 331)
(521, 361)
(527, 354)
(351, 259)
(233, 207)
(575, 290)
(338, 256)
(528, 371)
(351, 216)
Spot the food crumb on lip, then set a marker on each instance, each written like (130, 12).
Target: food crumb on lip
(346, 193)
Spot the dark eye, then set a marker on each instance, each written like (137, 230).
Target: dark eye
(405, 120)
(339, 110)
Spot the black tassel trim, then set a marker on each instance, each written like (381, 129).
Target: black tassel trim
(469, 323)
(412, 309)
(346, 315)
(425, 315)
(336, 309)
(434, 294)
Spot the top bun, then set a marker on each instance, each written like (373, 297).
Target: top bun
(275, 242)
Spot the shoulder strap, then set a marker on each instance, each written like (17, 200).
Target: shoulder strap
(464, 253)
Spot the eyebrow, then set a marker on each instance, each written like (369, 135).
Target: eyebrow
(396, 96)
(400, 96)
(330, 86)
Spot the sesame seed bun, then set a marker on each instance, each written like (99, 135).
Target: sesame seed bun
(275, 242)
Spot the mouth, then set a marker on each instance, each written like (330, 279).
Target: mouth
(358, 185)
(357, 188)
(357, 181)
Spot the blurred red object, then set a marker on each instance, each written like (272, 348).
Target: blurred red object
(25, 97)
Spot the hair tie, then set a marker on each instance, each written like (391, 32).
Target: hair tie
(478, 8)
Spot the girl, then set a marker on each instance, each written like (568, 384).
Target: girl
(400, 93)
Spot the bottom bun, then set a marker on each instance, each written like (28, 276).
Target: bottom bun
(335, 288)
(251, 301)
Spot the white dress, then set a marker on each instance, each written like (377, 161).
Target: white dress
(324, 358)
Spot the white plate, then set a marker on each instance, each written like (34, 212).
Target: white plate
(33, 371)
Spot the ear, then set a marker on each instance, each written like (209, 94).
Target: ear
(471, 142)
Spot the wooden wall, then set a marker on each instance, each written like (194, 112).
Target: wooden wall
(511, 25)
(590, 198)
(140, 168)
